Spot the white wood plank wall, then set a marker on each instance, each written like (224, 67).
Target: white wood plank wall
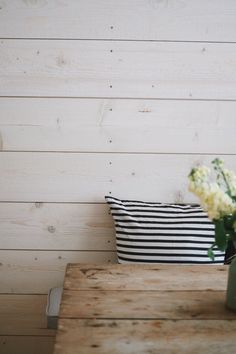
(103, 97)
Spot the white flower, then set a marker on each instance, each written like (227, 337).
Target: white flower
(231, 178)
(214, 200)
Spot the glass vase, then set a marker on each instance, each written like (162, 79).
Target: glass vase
(231, 285)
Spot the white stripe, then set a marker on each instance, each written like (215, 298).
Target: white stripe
(151, 214)
(165, 252)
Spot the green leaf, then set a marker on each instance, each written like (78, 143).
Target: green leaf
(233, 217)
(192, 172)
(228, 222)
(211, 254)
(220, 235)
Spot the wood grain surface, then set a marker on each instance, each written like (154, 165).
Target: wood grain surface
(23, 325)
(79, 177)
(64, 65)
(145, 309)
(104, 97)
(205, 304)
(53, 226)
(35, 271)
(122, 69)
(22, 314)
(142, 336)
(137, 277)
(201, 20)
(117, 125)
(26, 344)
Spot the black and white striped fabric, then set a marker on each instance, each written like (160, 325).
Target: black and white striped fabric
(162, 233)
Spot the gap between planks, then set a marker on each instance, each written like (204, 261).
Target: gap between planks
(116, 152)
(113, 152)
(124, 98)
(114, 40)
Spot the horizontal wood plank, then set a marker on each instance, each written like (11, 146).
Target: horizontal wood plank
(35, 272)
(152, 277)
(140, 336)
(24, 315)
(145, 304)
(114, 125)
(66, 177)
(201, 20)
(117, 69)
(26, 344)
(56, 226)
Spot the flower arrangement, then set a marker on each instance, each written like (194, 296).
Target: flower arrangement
(218, 199)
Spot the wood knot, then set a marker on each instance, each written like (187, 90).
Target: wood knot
(51, 229)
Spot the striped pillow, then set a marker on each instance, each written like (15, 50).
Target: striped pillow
(162, 233)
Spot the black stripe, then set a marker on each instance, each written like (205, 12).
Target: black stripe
(126, 221)
(156, 205)
(164, 228)
(159, 216)
(158, 240)
(163, 234)
(162, 247)
(160, 210)
(169, 261)
(113, 200)
(179, 255)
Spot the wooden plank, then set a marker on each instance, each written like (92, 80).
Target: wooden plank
(145, 304)
(35, 272)
(26, 344)
(56, 226)
(24, 315)
(156, 277)
(117, 69)
(65, 177)
(140, 336)
(157, 20)
(133, 288)
(164, 126)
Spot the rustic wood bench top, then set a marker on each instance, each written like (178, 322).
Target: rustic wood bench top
(119, 309)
